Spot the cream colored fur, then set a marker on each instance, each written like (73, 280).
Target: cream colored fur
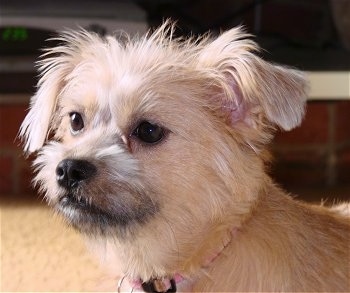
(220, 104)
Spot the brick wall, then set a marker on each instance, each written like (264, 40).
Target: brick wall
(315, 154)
(15, 173)
(318, 152)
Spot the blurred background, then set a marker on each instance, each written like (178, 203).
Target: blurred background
(312, 160)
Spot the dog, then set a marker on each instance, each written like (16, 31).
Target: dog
(157, 148)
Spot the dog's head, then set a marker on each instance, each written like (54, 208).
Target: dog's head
(157, 135)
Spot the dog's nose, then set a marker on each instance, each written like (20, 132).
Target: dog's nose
(70, 172)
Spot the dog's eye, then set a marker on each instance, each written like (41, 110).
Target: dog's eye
(148, 132)
(76, 122)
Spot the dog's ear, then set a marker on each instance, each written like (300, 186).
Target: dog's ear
(35, 127)
(252, 90)
(54, 67)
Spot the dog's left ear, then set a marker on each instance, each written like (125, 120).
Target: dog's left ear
(252, 90)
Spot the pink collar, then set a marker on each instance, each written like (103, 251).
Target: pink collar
(161, 285)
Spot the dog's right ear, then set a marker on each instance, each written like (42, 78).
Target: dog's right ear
(55, 66)
(35, 127)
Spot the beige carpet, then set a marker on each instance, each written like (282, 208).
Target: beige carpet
(39, 253)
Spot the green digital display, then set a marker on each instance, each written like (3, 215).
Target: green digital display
(14, 34)
(22, 40)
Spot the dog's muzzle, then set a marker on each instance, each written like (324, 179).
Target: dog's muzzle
(93, 203)
(70, 172)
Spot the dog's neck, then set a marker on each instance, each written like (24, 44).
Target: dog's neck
(171, 283)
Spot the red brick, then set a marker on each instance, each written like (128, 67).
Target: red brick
(343, 166)
(300, 167)
(342, 131)
(6, 174)
(25, 177)
(314, 128)
(344, 156)
(11, 117)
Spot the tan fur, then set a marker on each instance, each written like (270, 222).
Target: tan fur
(220, 104)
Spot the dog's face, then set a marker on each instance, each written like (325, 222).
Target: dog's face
(157, 135)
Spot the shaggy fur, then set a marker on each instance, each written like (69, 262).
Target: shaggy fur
(164, 208)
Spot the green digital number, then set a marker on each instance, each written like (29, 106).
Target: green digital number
(14, 34)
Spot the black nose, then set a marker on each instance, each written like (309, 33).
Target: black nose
(69, 172)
